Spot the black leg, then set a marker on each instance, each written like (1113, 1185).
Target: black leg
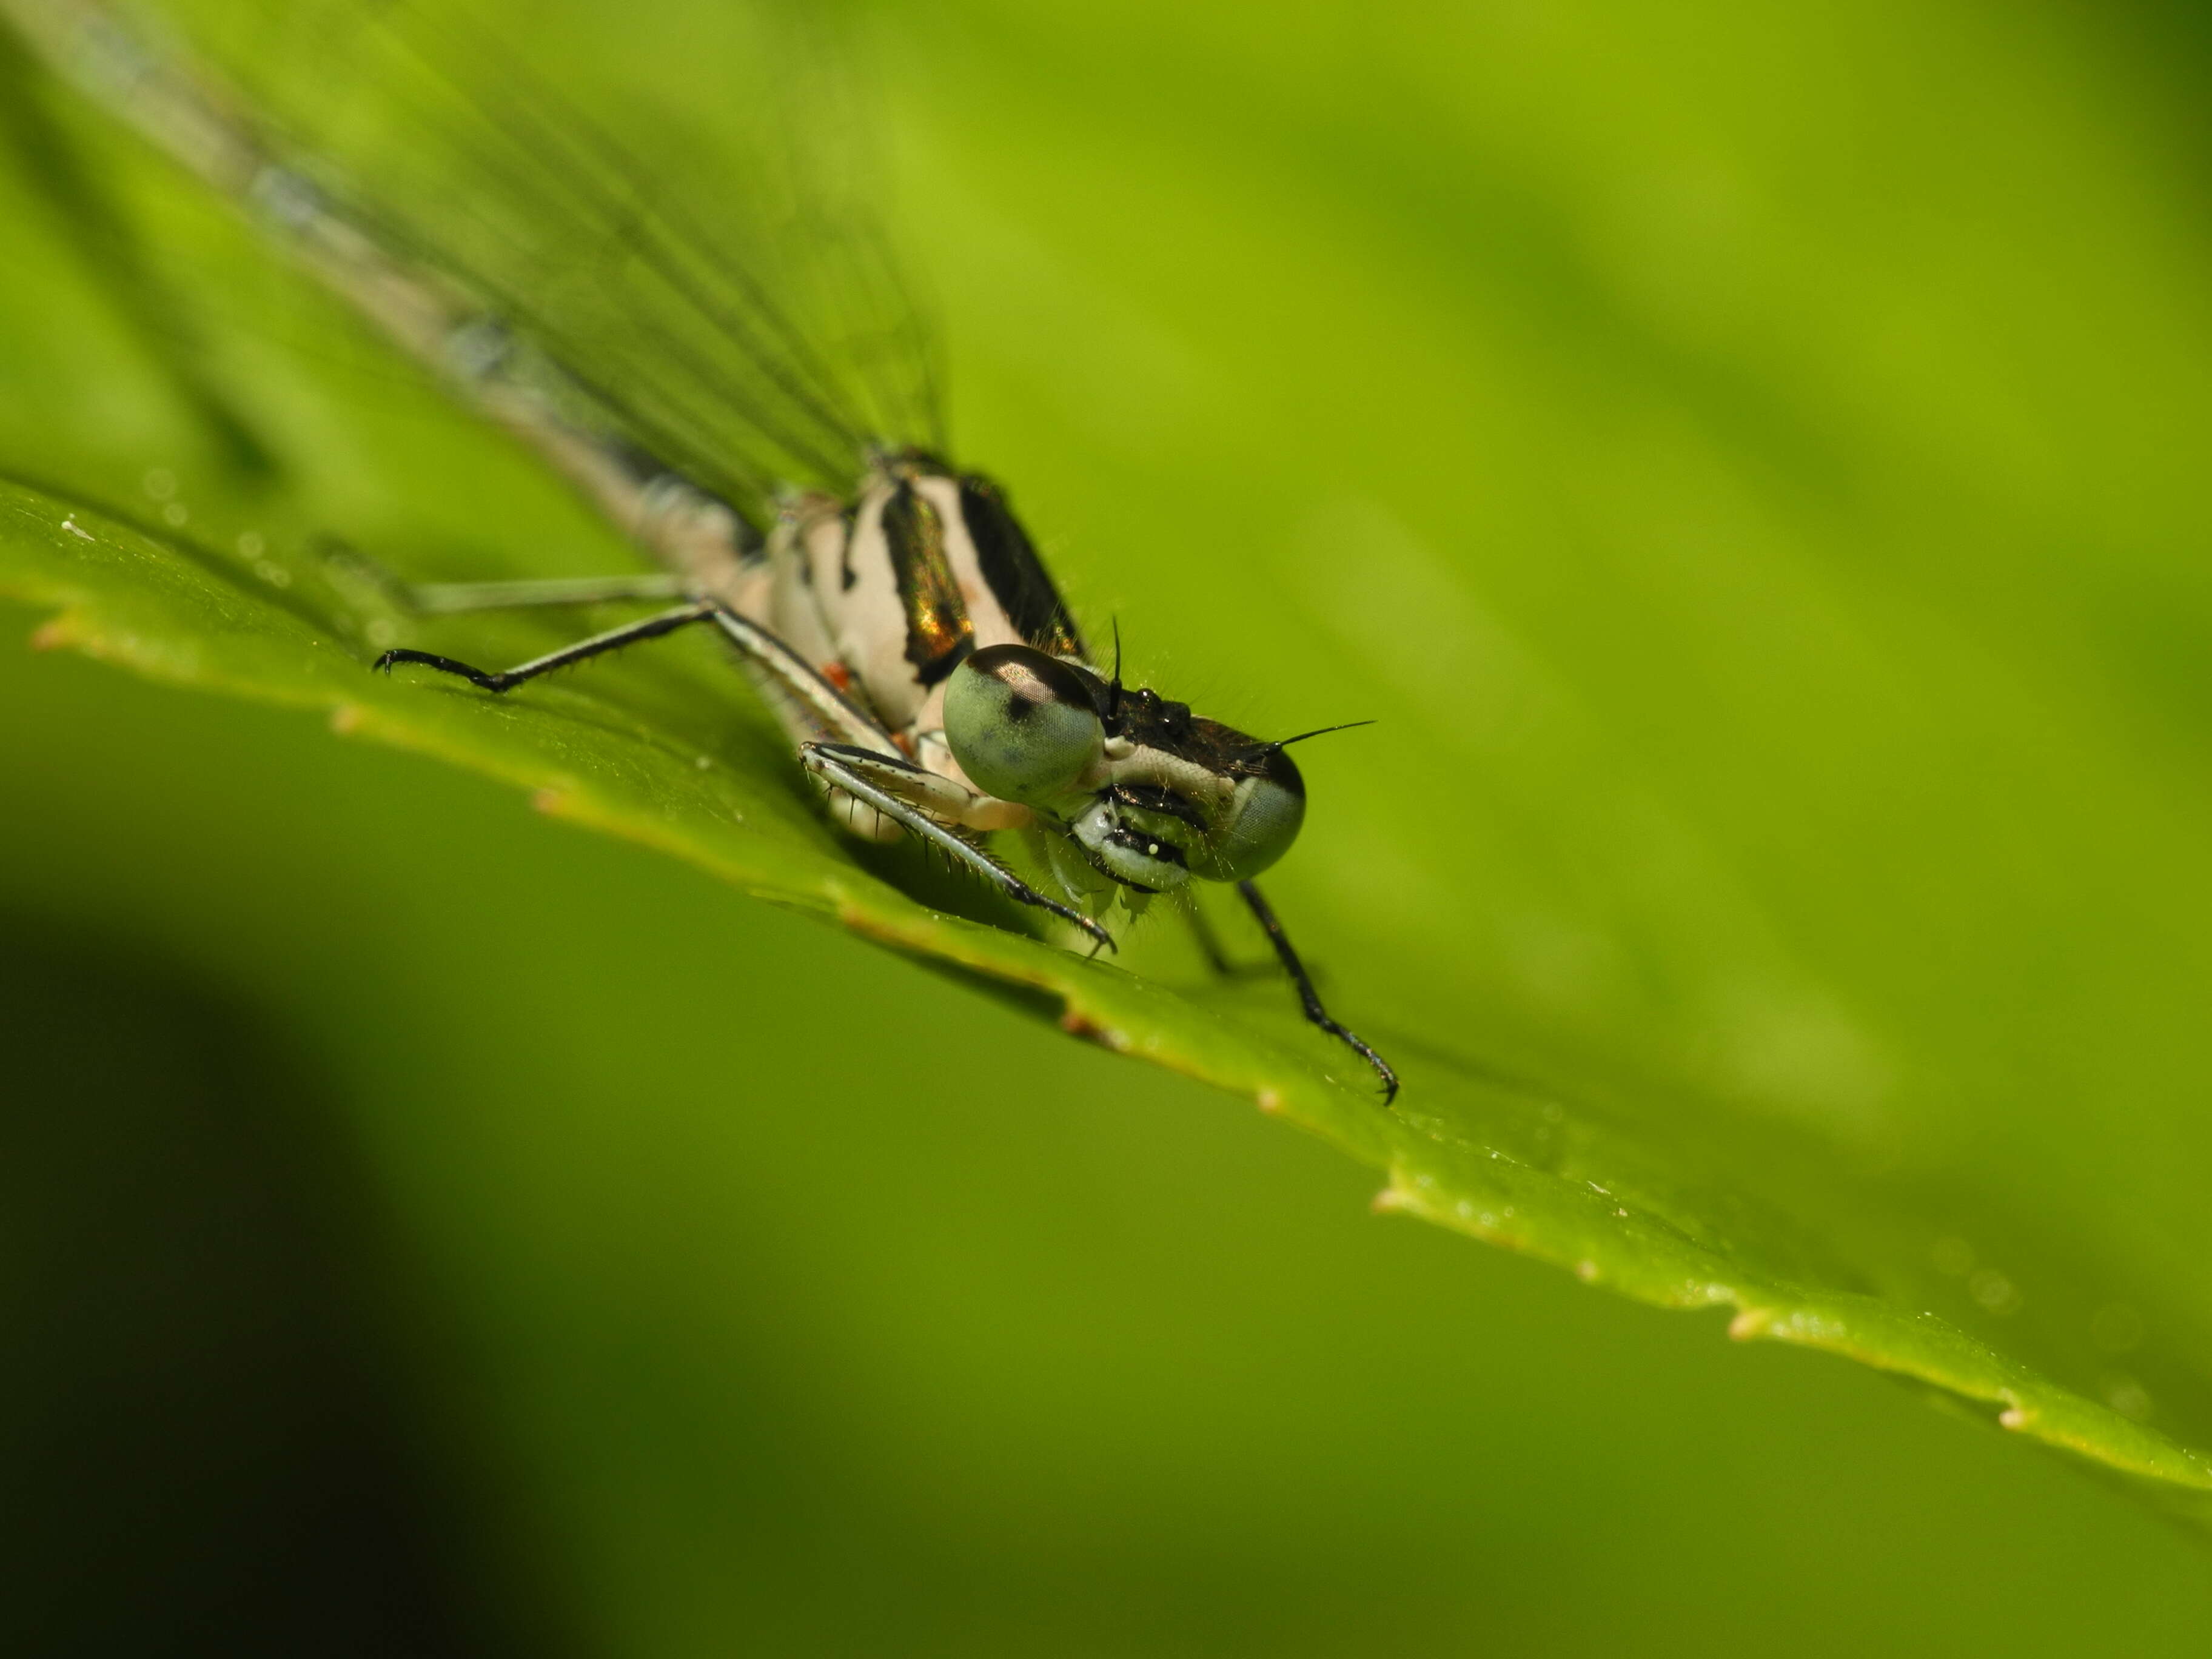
(1264, 912)
(613, 640)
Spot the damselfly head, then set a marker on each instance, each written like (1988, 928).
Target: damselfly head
(1152, 793)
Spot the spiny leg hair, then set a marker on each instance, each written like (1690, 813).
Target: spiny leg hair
(826, 763)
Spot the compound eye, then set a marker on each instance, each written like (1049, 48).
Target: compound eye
(1262, 820)
(1022, 726)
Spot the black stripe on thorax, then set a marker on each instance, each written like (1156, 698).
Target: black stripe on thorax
(1012, 571)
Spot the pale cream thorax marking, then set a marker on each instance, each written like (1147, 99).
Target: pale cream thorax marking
(856, 636)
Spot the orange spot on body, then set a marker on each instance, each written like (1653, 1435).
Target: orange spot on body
(838, 674)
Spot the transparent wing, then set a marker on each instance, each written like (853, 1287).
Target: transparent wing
(717, 292)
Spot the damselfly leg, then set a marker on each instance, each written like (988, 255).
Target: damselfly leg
(507, 679)
(871, 771)
(829, 712)
(875, 780)
(1308, 998)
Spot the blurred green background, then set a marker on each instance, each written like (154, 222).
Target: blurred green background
(1753, 460)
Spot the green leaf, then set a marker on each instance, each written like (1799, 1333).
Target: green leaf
(1501, 1164)
(1631, 877)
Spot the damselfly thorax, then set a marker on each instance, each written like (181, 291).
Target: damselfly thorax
(889, 593)
(906, 633)
(924, 587)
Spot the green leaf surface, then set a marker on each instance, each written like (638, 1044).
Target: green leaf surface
(1500, 1163)
(1774, 869)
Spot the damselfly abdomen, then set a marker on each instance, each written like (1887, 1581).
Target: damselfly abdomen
(890, 606)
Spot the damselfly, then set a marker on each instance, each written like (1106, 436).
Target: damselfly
(889, 605)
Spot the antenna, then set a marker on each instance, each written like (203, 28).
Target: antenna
(1318, 731)
(1114, 703)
